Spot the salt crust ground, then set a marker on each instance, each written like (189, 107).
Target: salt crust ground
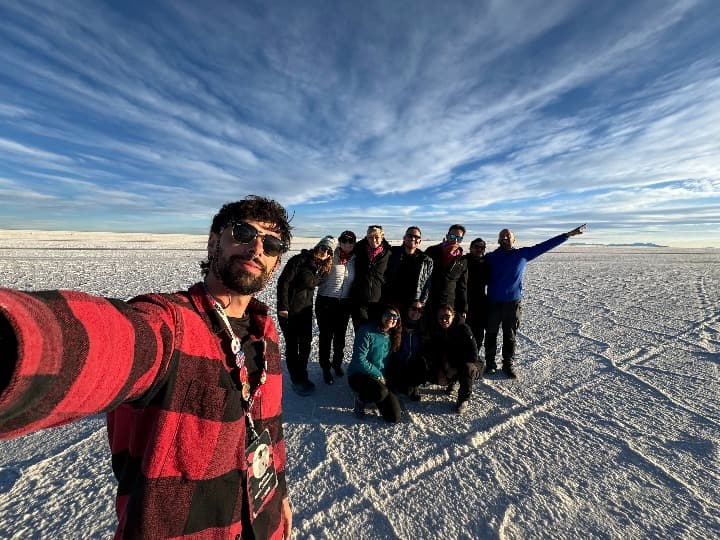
(612, 431)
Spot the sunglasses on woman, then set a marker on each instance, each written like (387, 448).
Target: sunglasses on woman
(455, 237)
(244, 233)
(392, 316)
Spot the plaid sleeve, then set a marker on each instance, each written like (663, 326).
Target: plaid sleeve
(8, 352)
(78, 355)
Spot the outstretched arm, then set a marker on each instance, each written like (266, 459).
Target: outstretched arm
(8, 352)
(577, 230)
(67, 355)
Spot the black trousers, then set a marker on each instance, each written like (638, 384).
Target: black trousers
(364, 313)
(332, 315)
(477, 320)
(451, 370)
(468, 372)
(507, 315)
(297, 330)
(369, 389)
(404, 375)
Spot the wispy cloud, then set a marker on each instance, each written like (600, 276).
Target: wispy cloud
(528, 113)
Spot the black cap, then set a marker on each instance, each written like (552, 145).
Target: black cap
(348, 236)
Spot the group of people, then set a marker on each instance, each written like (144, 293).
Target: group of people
(191, 381)
(419, 316)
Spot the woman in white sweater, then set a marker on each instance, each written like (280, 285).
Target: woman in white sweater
(333, 306)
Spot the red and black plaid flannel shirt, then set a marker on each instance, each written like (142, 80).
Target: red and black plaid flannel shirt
(156, 365)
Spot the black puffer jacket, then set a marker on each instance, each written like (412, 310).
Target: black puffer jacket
(478, 277)
(407, 277)
(369, 275)
(456, 345)
(448, 285)
(297, 282)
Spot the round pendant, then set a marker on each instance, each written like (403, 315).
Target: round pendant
(235, 345)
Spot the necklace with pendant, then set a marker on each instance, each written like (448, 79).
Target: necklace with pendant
(240, 364)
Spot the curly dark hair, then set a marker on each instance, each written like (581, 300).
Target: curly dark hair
(256, 208)
(322, 266)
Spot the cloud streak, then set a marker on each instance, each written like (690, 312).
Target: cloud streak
(529, 114)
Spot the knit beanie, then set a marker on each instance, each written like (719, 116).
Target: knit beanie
(327, 241)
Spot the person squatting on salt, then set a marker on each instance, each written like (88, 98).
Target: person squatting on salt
(191, 383)
(407, 368)
(374, 342)
(452, 355)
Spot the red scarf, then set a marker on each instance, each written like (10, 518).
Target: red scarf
(450, 254)
(343, 257)
(372, 253)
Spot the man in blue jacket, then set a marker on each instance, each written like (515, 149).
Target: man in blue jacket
(507, 268)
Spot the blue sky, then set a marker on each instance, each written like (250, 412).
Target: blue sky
(537, 115)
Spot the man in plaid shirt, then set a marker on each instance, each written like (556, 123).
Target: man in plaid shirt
(191, 383)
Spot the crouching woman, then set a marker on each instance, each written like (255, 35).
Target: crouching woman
(453, 355)
(374, 342)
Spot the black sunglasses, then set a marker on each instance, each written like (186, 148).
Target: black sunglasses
(244, 233)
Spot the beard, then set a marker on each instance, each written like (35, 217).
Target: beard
(241, 282)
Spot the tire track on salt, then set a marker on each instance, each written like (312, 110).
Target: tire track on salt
(475, 439)
(710, 508)
(637, 357)
(465, 444)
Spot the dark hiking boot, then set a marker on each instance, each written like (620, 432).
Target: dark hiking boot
(339, 371)
(510, 372)
(359, 409)
(490, 366)
(461, 407)
(414, 393)
(304, 388)
(327, 377)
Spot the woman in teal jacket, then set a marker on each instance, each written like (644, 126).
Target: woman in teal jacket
(374, 342)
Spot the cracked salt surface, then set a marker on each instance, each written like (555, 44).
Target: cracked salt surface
(612, 431)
